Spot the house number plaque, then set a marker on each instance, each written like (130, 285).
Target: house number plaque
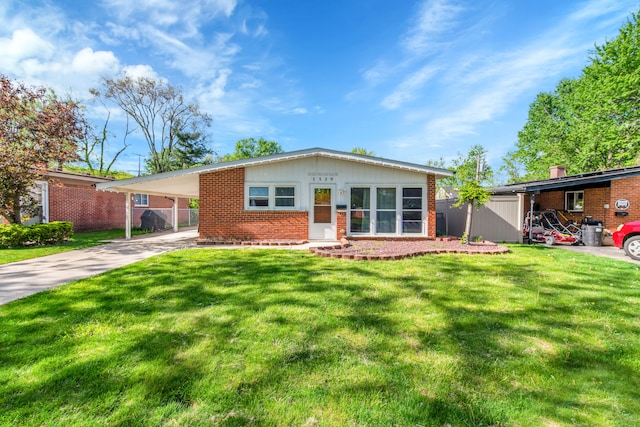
(322, 176)
(622, 204)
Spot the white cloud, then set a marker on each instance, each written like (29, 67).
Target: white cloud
(22, 45)
(407, 90)
(93, 63)
(456, 96)
(140, 70)
(434, 18)
(185, 15)
(216, 89)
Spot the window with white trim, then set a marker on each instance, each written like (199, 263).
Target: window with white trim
(396, 210)
(574, 201)
(140, 200)
(271, 196)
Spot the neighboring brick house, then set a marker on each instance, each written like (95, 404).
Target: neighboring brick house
(67, 196)
(611, 196)
(314, 194)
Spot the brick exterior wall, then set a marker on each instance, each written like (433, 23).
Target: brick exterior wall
(90, 210)
(341, 224)
(624, 189)
(431, 206)
(85, 207)
(549, 200)
(222, 213)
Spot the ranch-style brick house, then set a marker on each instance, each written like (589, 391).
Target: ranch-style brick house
(313, 194)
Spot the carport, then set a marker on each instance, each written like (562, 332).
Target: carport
(174, 185)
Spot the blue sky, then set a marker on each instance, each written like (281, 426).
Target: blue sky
(409, 80)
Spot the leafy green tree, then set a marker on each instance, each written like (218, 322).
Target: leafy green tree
(168, 123)
(589, 123)
(443, 186)
(472, 167)
(363, 151)
(36, 130)
(248, 148)
(439, 163)
(113, 173)
(189, 150)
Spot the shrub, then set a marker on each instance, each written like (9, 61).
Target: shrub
(36, 234)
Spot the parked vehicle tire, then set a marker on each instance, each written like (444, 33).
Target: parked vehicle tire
(632, 247)
(550, 240)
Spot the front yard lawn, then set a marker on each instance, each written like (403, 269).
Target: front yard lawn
(538, 336)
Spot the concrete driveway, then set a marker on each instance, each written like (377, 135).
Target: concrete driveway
(23, 278)
(605, 251)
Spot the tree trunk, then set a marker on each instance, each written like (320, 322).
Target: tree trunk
(467, 228)
(16, 217)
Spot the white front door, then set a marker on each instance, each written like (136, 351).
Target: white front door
(322, 212)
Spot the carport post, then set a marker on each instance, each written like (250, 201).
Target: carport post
(127, 227)
(175, 214)
(532, 201)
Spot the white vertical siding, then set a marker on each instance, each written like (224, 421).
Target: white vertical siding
(343, 174)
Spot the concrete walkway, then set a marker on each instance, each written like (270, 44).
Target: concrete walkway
(19, 279)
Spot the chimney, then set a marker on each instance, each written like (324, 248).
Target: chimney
(558, 171)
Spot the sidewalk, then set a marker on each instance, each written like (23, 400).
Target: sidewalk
(20, 279)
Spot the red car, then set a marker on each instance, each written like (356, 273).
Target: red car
(627, 237)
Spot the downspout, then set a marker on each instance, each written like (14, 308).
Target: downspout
(45, 202)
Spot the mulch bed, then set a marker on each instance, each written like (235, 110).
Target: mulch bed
(376, 249)
(398, 249)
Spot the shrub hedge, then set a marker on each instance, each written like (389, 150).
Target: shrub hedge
(37, 234)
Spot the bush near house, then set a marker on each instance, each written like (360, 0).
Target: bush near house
(12, 235)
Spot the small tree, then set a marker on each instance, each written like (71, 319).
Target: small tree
(248, 148)
(470, 173)
(36, 130)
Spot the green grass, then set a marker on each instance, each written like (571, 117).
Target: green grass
(78, 241)
(206, 337)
